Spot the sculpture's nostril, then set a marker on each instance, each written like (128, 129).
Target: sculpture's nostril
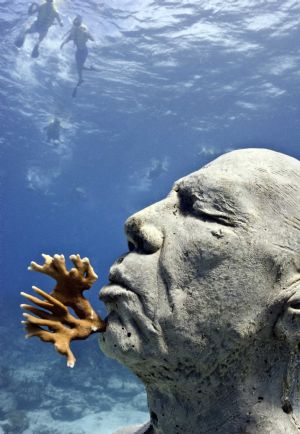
(131, 246)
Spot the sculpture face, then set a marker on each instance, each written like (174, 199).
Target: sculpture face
(200, 276)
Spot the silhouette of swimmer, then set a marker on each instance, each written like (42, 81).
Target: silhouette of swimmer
(47, 14)
(53, 130)
(80, 35)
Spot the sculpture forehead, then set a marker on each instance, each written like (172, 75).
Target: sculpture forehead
(241, 167)
(221, 176)
(250, 185)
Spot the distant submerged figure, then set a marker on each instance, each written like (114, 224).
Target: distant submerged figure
(80, 35)
(46, 16)
(53, 130)
(157, 168)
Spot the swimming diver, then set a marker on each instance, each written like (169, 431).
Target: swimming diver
(157, 168)
(53, 130)
(46, 16)
(80, 35)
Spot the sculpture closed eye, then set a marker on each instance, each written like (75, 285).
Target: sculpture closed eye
(212, 215)
(191, 204)
(53, 322)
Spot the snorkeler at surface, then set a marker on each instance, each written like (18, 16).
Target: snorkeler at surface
(80, 35)
(47, 14)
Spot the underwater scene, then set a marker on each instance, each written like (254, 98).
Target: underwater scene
(103, 105)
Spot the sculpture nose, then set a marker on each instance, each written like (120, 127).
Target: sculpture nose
(142, 236)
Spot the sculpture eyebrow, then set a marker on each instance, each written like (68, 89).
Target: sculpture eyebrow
(217, 213)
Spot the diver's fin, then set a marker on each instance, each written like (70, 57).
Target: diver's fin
(19, 41)
(74, 93)
(35, 52)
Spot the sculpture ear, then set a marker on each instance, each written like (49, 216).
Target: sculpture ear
(287, 327)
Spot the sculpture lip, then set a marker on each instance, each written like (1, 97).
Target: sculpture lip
(112, 294)
(113, 290)
(116, 277)
(119, 286)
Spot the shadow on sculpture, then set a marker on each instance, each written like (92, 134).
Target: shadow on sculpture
(205, 306)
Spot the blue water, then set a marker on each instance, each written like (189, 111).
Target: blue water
(177, 84)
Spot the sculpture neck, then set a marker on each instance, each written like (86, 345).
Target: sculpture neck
(225, 402)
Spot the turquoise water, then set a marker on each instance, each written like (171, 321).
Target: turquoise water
(174, 84)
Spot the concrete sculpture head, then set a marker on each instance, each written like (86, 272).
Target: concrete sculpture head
(205, 307)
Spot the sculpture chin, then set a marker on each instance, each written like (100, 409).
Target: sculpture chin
(119, 341)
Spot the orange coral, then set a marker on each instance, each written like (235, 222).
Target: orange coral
(62, 327)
